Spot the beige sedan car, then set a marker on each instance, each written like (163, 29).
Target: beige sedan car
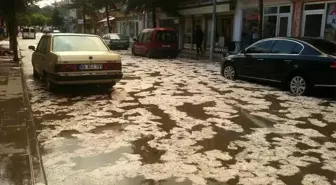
(62, 58)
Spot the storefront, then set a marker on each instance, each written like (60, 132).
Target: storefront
(131, 27)
(277, 20)
(319, 20)
(201, 16)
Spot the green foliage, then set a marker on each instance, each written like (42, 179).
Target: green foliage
(57, 19)
(38, 19)
(24, 19)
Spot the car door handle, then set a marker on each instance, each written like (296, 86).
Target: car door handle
(260, 59)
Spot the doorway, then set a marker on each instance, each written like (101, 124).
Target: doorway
(312, 24)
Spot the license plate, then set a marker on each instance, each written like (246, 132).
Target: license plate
(91, 66)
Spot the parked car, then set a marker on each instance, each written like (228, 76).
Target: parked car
(156, 42)
(75, 59)
(115, 40)
(298, 63)
(28, 33)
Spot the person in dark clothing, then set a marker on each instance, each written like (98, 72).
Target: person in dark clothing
(199, 39)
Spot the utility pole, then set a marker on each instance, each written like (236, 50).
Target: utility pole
(108, 17)
(213, 27)
(261, 18)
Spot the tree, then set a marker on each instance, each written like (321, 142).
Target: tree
(168, 6)
(9, 10)
(38, 19)
(57, 19)
(24, 19)
(107, 5)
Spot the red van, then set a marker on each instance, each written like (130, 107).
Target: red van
(156, 42)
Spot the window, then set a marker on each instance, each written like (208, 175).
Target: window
(261, 47)
(326, 47)
(330, 26)
(297, 49)
(141, 36)
(166, 36)
(284, 9)
(283, 47)
(78, 43)
(314, 6)
(149, 37)
(313, 25)
(271, 10)
(41, 47)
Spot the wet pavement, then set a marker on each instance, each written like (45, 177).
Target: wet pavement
(180, 122)
(19, 162)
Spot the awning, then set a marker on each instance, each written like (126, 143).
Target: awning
(105, 19)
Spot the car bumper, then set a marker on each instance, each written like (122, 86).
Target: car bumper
(120, 45)
(164, 52)
(86, 79)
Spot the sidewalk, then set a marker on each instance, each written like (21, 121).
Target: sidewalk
(19, 155)
(191, 54)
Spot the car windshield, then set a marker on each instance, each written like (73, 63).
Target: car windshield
(25, 30)
(325, 46)
(118, 36)
(78, 43)
(32, 30)
(167, 36)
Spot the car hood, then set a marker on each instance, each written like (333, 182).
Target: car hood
(87, 56)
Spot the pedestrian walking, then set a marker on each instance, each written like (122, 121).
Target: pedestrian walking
(199, 40)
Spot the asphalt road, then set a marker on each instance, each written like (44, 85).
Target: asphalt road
(179, 122)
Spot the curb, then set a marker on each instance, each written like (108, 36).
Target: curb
(32, 121)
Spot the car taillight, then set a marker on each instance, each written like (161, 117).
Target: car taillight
(112, 66)
(66, 67)
(333, 65)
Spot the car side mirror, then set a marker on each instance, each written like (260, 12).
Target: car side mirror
(31, 48)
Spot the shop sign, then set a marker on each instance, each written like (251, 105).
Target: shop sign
(331, 20)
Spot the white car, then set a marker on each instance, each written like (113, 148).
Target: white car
(63, 58)
(28, 33)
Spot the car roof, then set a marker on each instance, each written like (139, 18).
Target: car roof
(71, 34)
(159, 29)
(301, 39)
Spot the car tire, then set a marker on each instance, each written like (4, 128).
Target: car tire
(50, 86)
(149, 54)
(298, 84)
(229, 71)
(133, 53)
(35, 74)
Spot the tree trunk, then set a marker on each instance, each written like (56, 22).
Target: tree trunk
(15, 41)
(154, 15)
(108, 18)
(261, 16)
(9, 33)
(83, 14)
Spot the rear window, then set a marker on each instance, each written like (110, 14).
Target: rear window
(32, 30)
(118, 36)
(25, 30)
(78, 43)
(166, 36)
(325, 46)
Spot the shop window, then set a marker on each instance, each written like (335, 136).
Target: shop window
(330, 27)
(314, 6)
(188, 33)
(313, 25)
(250, 26)
(270, 10)
(270, 23)
(284, 9)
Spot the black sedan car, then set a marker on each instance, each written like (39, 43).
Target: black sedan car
(299, 63)
(117, 41)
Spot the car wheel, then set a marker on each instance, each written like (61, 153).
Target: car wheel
(35, 74)
(229, 72)
(133, 53)
(50, 86)
(149, 54)
(298, 85)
